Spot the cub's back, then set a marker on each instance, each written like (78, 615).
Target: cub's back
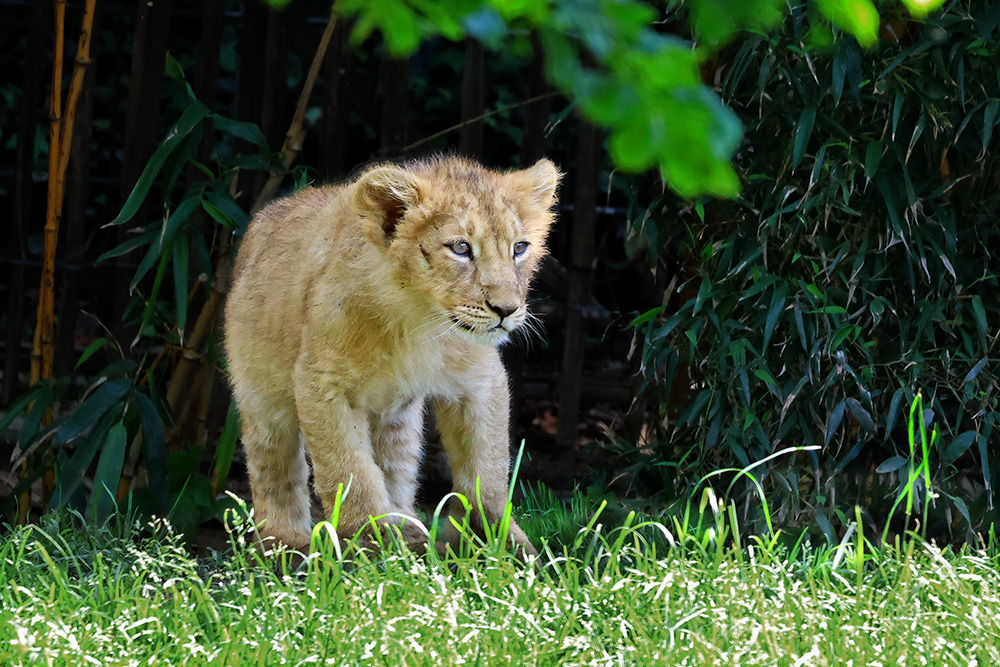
(287, 242)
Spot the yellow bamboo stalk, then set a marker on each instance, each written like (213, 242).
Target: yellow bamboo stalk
(41, 352)
(80, 65)
(60, 142)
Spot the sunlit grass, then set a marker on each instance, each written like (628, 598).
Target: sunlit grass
(76, 596)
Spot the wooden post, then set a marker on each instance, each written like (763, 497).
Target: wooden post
(27, 120)
(580, 280)
(142, 112)
(394, 83)
(470, 141)
(534, 144)
(533, 148)
(333, 138)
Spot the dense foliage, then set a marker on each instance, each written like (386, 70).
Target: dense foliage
(610, 57)
(858, 267)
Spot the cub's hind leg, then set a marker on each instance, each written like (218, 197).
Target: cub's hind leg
(276, 463)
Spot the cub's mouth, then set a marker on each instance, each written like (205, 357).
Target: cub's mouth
(488, 333)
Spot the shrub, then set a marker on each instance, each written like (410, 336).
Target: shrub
(855, 269)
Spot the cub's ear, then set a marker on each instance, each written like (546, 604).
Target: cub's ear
(388, 192)
(538, 183)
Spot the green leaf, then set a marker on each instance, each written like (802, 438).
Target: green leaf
(645, 317)
(109, 472)
(221, 206)
(190, 118)
(72, 471)
(92, 409)
(245, 131)
(704, 293)
(181, 284)
(892, 464)
(765, 376)
(154, 444)
(858, 17)
(176, 72)
(958, 446)
(921, 8)
(89, 352)
(836, 416)
(22, 403)
(984, 461)
(873, 156)
(859, 413)
(803, 130)
(36, 413)
(226, 448)
(777, 305)
(156, 250)
(980, 314)
(894, 403)
(989, 121)
(130, 245)
(975, 370)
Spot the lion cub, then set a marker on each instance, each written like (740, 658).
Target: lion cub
(354, 305)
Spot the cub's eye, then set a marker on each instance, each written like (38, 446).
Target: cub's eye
(520, 248)
(461, 248)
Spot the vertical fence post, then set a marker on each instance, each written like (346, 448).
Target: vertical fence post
(470, 142)
(580, 280)
(395, 85)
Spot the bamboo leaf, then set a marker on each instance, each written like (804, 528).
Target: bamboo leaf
(777, 306)
(980, 314)
(704, 292)
(92, 409)
(958, 446)
(894, 403)
(858, 17)
(803, 130)
(181, 283)
(645, 317)
(225, 449)
(221, 206)
(130, 245)
(109, 472)
(892, 464)
(836, 416)
(36, 413)
(989, 121)
(71, 473)
(873, 156)
(975, 370)
(22, 404)
(984, 461)
(154, 444)
(192, 115)
(91, 349)
(861, 415)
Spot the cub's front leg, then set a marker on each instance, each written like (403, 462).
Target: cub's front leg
(338, 436)
(474, 432)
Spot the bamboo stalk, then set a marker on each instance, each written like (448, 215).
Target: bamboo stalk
(60, 143)
(41, 353)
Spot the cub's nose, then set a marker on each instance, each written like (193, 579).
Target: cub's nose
(503, 310)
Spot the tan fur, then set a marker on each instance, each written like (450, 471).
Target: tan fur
(349, 310)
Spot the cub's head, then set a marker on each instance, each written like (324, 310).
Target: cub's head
(462, 241)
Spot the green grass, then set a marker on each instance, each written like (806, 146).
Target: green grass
(77, 596)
